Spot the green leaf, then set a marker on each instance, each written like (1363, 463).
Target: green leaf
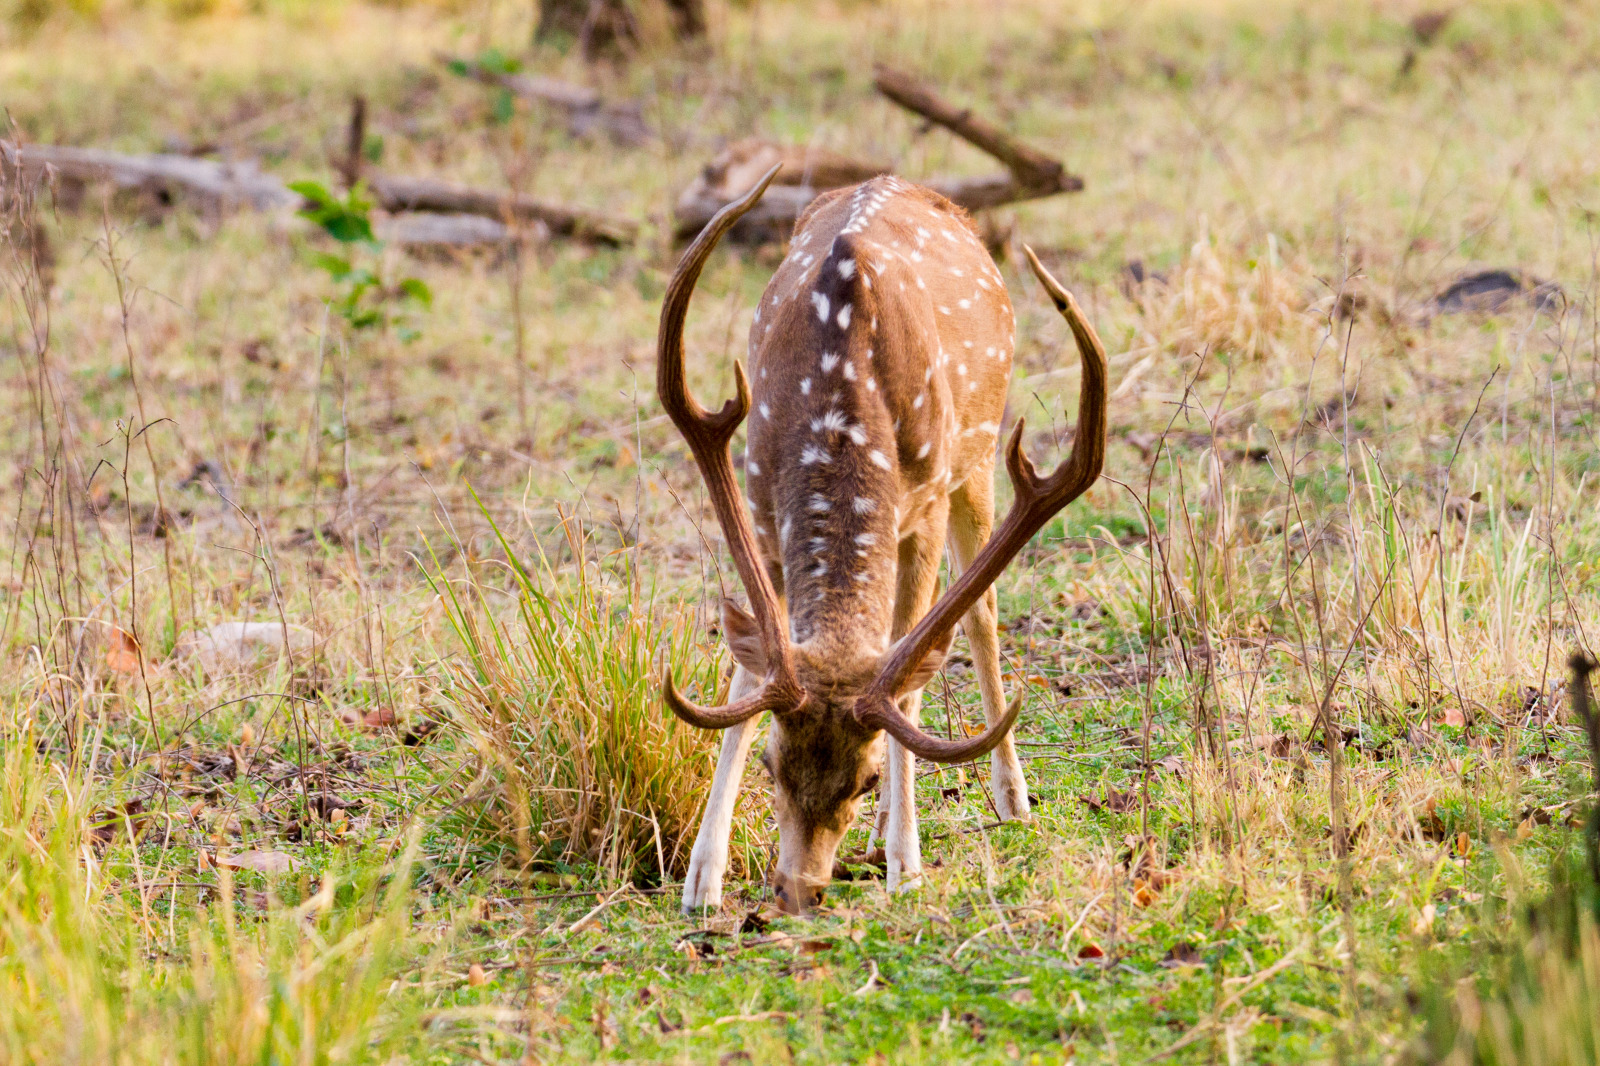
(314, 192)
(337, 268)
(416, 289)
(497, 62)
(505, 107)
(347, 227)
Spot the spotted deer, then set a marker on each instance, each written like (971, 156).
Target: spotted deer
(881, 354)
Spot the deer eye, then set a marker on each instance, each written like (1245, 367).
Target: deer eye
(868, 785)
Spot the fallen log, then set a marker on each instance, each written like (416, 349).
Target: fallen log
(803, 173)
(1029, 174)
(585, 110)
(421, 229)
(223, 185)
(422, 194)
(216, 184)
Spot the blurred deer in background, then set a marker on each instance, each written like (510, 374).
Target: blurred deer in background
(881, 354)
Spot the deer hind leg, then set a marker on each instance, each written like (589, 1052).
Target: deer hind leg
(971, 522)
(702, 887)
(918, 580)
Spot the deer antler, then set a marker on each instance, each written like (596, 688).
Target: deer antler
(886, 716)
(1037, 501)
(708, 435)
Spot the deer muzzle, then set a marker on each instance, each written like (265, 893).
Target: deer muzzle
(796, 894)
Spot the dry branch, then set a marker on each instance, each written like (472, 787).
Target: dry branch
(217, 185)
(1032, 169)
(423, 194)
(586, 111)
(1029, 175)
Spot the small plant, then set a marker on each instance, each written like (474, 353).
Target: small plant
(492, 64)
(366, 301)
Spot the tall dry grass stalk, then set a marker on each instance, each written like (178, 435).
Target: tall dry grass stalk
(577, 759)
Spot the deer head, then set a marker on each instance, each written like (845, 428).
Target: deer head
(830, 677)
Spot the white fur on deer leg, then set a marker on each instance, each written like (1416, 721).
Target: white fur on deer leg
(1010, 787)
(902, 847)
(702, 886)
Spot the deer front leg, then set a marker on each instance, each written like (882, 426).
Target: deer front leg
(702, 887)
(971, 521)
(918, 579)
(902, 845)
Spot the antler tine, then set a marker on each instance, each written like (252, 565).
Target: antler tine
(886, 716)
(708, 435)
(1037, 500)
(765, 699)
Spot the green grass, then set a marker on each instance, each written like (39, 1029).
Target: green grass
(497, 555)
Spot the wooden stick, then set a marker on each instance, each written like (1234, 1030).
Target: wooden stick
(355, 142)
(423, 194)
(1032, 168)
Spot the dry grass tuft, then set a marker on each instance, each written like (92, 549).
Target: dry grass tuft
(577, 760)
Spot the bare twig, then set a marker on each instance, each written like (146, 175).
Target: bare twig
(1031, 168)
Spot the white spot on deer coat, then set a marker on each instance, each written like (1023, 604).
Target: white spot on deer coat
(847, 267)
(820, 302)
(844, 317)
(879, 459)
(811, 454)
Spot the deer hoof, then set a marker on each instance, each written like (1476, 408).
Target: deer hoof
(702, 888)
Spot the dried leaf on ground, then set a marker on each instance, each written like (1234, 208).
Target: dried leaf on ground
(264, 862)
(122, 654)
(1114, 800)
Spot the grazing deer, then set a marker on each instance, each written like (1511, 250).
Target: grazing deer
(882, 353)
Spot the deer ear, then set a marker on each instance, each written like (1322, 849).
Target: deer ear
(931, 664)
(744, 638)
